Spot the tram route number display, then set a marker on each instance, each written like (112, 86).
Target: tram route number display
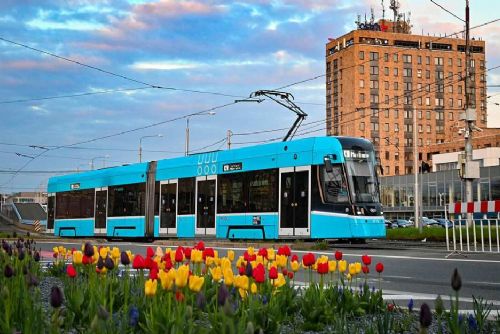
(232, 167)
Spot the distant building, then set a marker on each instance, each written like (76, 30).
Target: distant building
(27, 197)
(378, 74)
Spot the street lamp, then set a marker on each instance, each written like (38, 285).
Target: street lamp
(100, 157)
(211, 113)
(140, 144)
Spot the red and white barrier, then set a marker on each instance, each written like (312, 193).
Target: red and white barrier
(460, 211)
(474, 207)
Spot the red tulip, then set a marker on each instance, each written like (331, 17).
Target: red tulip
(284, 271)
(295, 258)
(179, 255)
(148, 263)
(208, 252)
(259, 273)
(71, 271)
(365, 269)
(187, 252)
(263, 252)
(390, 307)
(290, 274)
(284, 250)
(323, 268)
(179, 296)
(242, 270)
(367, 260)
(379, 267)
(153, 274)
(200, 246)
(273, 273)
(138, 262)
(87, 259)
(168, 262)
(308, 259)
(150, 252)
(249, 258)
(338, 255)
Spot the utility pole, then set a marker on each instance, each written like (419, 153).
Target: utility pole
(229, 134)
(416, 193)
(471, 168)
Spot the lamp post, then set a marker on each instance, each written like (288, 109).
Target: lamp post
(211, 113)
(140, 144)
(100, 157)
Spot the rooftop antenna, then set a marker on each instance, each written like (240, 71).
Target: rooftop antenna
(383, 11)
(394, 7)
(358, 22)
(372, 17)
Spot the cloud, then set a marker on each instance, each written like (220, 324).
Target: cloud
(66, 25)
(165, 65)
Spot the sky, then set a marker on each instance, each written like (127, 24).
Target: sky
(84, 87)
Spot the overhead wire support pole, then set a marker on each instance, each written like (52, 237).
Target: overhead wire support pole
(285, 101)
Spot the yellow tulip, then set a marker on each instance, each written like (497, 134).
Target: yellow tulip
(166, 280)
(216, 273)
(259, 259)
(181, 276)
(228, 276)
(55, 249)
(150, 287)
(295, 266)
(271, 254)
(357, 267)
(172, 257)
(243, 293)
(352, 269)
(195, 283)
(240, 261)
(103, 252)
(77, 257)
(159, 251)
(230, 255)
(253, 288)
(216, 254)
(281, 261)
(241, 282)
(130, 255)
(349, 277)
(250, 251)
(115, 253)
(209, 261)
(225, 263)
(342, 266)
(280, 281)
(196, 256)
(332, 265)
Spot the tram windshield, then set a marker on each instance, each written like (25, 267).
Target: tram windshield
(363, 183)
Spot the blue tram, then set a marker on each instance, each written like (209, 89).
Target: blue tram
(322, 187)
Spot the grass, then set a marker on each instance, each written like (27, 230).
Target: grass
(439, 234)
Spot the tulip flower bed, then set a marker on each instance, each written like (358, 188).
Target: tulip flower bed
(197, 290)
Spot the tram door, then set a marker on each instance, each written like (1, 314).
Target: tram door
(294, 201)
(205, 205)
(168, 213)
(100, 214)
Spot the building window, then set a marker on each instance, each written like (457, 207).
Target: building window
(395, 71)
(373, 55)
(419, 60)
(374, 70)
(386, 85)
(361, 112)
(362, 126)
(386, 155)
(362, 97)
(396, 170)
(396, 85)
(408, 115)
(386, 127)
(386, 57)
(374, 84)
(439, 102)
(407, 100)
(450, 89)
(450, 102)
(428, 88)
(361, 55)
(427, 101)
(407, 72)
(374, 98)
(420, 114)
(386, 113)
(396, 113)
(459, 102)
(459, 62)
(361, 69)
(427, 114)
(419, 100)
(428, 129)
(407, 86)
(438, 61)
(420, 129)
(450, 62)
(427, 60)
(459, 89)
(374, 126)
(427, 74)
(395, 57)
(450, 115)
(407, 59)
(386, 97)
(386, 70)
(419, 73)
(361, 83)
(396, 127)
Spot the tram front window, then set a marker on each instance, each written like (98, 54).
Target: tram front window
(363, 181)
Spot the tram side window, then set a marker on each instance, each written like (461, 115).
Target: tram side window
(127, 200)
(231, 193)
(186, 196)
(263, 191)
(50, 212)
(157, 198)
(334, 185)
(75, 204)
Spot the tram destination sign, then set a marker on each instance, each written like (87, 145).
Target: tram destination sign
(232, 167)
(75, 186)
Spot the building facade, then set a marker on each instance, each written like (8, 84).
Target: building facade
(376, 79)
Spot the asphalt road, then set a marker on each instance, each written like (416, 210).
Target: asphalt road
(417, 271)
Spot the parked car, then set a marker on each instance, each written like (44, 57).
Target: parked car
(427, 222)
(389, 224)
(444, 223)
(402, 223)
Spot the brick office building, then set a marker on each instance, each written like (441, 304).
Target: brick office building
(375, 79)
